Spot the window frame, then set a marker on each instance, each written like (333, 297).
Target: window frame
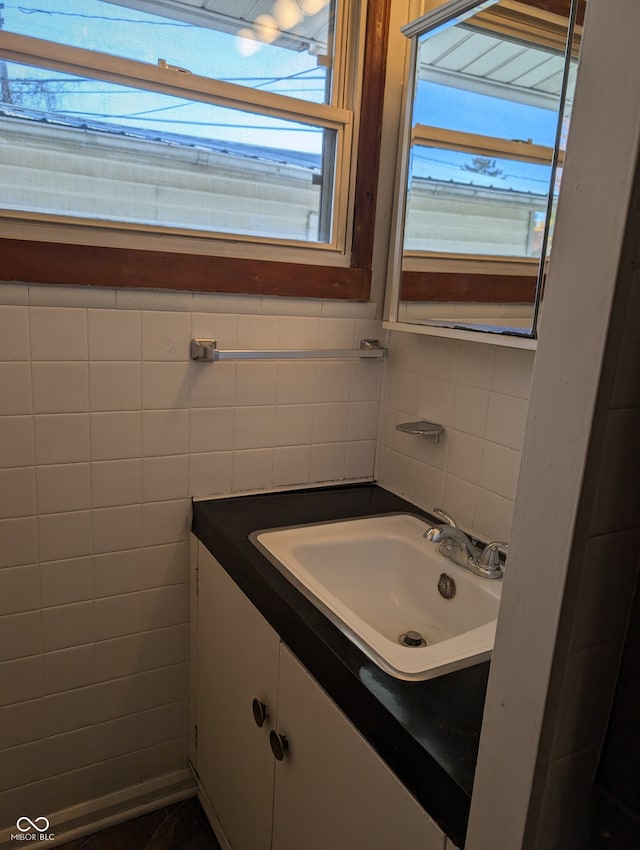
(40, 250)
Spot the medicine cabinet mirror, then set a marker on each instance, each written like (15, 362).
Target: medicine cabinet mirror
(481, 153)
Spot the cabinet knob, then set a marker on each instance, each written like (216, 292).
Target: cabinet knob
(279, 745)
(260, 711)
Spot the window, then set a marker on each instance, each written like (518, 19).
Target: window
(224, 132)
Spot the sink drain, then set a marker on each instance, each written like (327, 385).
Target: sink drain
(412, 639)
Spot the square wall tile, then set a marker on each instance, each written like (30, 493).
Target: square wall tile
(252, 469)
(63, 536)
(165, 432)
(66, 581)
(162, 685)
(161, 647)
(328, 461)
(336, 333)
(211, 429)
(210, 473)
(360, 459)
(58, 333)
(61, 438)
(333, 381)
(470, 406)
(297, 332)
(67, 625)
(493, 516)
(118, 657)
(21, 765)
(17, 492)
(117, 528)
(257, 332)
(165, 478)
(512, 371)
(165, 522)
(115, 483)
(428, 486)
(165, 385)
(63, 487)
(69, 668)
(20, 635)
(256, 383)
(21, 723)
(291, 465)
(19, 589)
(475, 364)
(363, 421)
(500, 470)
(16, 441)
(60, 387)
(213, 384)
(21, 680)
(115, 386)
(296, 383)
(330, 423)
(165, 606)
(294, 424)
(14, 333)
(15, 380)
(254, 427)
(223, 327)
(115, 436)
(459, 499)
(117, 572)
(506, 420)
(465, 456)
(114, 334)
(166, 335)
(18, 541)
(366, 380)
(163, 724)
(165, 565)
(116, 616)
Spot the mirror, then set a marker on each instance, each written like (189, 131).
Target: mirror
(485, 126)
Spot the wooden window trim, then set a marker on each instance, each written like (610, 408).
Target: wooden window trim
(26, 261)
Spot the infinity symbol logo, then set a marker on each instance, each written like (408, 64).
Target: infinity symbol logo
(30, 824)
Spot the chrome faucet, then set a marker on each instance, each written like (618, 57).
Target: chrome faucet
(454, 544)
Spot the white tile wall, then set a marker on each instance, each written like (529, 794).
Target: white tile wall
(479, 393)
(106, 431)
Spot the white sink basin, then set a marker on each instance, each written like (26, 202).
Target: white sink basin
(377, 578)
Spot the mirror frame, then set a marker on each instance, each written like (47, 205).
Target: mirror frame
(489, 334)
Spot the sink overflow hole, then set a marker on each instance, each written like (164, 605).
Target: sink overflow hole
(411, 638)
(446, 586)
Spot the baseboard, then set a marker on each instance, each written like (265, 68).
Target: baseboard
(85, 818)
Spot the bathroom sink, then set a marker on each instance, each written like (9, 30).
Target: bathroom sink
(415, 613)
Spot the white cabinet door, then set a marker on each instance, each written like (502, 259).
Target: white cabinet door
(332, 790)
(237, 662)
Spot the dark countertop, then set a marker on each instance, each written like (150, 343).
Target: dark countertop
(427, 732)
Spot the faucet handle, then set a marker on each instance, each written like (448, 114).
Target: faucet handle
(445, 516)
(490, 556)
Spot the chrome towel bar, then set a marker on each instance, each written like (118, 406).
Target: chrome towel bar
(207, 350)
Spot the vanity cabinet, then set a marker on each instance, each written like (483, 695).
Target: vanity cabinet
(279, 765)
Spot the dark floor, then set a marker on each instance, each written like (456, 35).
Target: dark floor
(613, 827)
(181, 826)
